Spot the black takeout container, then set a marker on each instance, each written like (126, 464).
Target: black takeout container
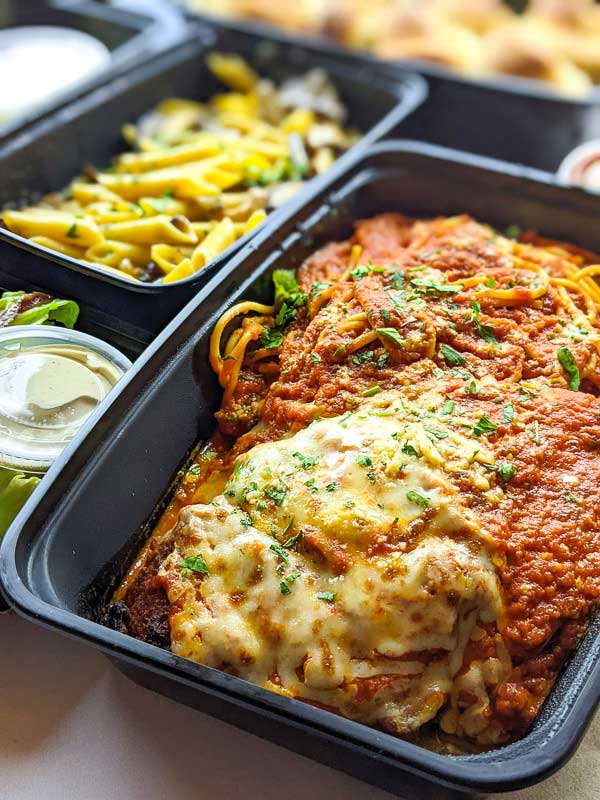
(47, 156)
(72, 543)
(512, 118)
(132, 36)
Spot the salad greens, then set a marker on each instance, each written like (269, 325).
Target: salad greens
(27, 308)
(36, 308)
(15, 488)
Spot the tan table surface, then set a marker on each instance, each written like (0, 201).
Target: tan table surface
(73, 728)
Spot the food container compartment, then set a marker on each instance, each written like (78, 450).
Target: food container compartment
(131, 36)
(126, 339)
(515, 119)
(71, 546)
(48, 155)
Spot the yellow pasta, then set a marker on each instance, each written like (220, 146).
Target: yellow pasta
(119, 211)
(182, 154)
(53, 244)
(175, 230)
(167, 257)
(62, 226)
(233, 71)
(111, 253)
(196, 177)
(181, 271)
(213, 245)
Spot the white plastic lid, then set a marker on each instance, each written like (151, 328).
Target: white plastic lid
(42, 61)
(51, 379)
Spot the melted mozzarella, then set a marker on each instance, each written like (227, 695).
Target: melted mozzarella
(370, 611)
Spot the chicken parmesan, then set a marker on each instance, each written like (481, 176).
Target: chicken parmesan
(398, 517)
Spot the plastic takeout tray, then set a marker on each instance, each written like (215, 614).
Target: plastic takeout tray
(46, 157)
(72, 544)
(515, 119)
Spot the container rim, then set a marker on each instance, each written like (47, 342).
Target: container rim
(464, 772)
(145, 29)
(409, 90)
(524, 87)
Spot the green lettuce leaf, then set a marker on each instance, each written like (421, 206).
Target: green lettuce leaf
(64, 312)
(288, 297)
(15, 488)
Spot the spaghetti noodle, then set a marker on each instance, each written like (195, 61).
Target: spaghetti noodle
(518, 275)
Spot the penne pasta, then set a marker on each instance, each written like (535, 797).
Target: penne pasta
(167, 257)
(53, 244)
(172, 230)
(219, 239)
(196, 177)
(64, 227)
(111, 253)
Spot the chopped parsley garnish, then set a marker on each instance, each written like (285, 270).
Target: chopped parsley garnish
(331, 487)
(288, 526)
(72, 232)
(417, 498)
(371, 477)
(288, 297)
(317, 287)
(276, 495)
(431, 287)
(278, 549)
(195, 564)
(409, 450)
(306, 462)
(327, 596)
(391, 334)
(293, 540)
(246, 520)
(285, 589)
(364, 461)
(361, 358)
(436, 433)
(508, 412)
(372, 391)
(360, 272)
(487, 333)
(315, 358)
(452, 356)
(484, 427)
(386, 314)
(506, 471)
(567, 361)
(448, 407)
(270, 338)
(490, 282)
(512, 232)
(339, 350)
(397, 280)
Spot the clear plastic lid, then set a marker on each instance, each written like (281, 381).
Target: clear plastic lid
(51, 379)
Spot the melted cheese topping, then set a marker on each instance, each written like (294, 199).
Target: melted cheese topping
(341, 565)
